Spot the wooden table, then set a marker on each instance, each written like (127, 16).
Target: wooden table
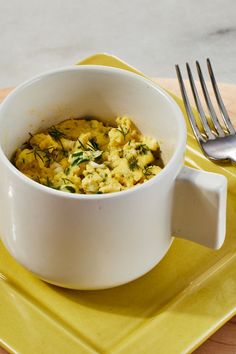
(224, 340)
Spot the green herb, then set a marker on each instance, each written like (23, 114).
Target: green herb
(99, 192)
(81, 144)
(78, 161)
(49, 183)
(142, 149)
(31, 136)
(37, 179)
(92, 144)
(133, 163)
(70, 189)
(78, 153)
(147, 171)
(123, 131)
(27, 144)
(67, 170)
(36, 152)
(48, 155)
(79, 158)
(66, 180)
(83, 156)
(96, 155)
(55, 133)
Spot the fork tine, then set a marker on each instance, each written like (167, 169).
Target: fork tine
(220, 102)
(199, 105)
(209, 103)
(188, 107)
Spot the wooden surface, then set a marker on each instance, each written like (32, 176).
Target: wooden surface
(224, 340)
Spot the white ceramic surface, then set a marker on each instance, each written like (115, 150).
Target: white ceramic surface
(100, 241)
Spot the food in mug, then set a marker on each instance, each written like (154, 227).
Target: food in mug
(86, 156)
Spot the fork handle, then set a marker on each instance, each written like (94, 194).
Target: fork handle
(199, 208)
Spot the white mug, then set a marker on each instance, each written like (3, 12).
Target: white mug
(101, 241)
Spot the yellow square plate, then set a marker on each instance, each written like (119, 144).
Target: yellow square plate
(172, 309)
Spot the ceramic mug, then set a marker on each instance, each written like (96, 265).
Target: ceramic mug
(101, 241)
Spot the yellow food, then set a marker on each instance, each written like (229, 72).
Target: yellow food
(88, 157)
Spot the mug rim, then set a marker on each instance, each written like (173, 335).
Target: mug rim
(181, 143)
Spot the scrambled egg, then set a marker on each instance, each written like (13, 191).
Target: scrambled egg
(88, 157)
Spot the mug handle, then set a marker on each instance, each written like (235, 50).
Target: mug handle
(199, 208)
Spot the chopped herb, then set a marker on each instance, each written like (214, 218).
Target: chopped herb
(37, 179)
(142, 149)
(123, 131)
(65, 153)
(133, 163)
(92, 144)
(147, 171)
(99, 192)
(36, 152)
(81, 144)
(70, 189)
(49, 150)
(83, 156)
(67, 170)
(78, 153)
(97, 154)
(55, 133)
(49, 183)
(79, 160)
(66, 180)
(48, 155)
(27, 144)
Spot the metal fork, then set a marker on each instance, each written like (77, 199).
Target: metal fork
(218, 143)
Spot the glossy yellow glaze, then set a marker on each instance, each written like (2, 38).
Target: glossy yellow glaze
(172, 309)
